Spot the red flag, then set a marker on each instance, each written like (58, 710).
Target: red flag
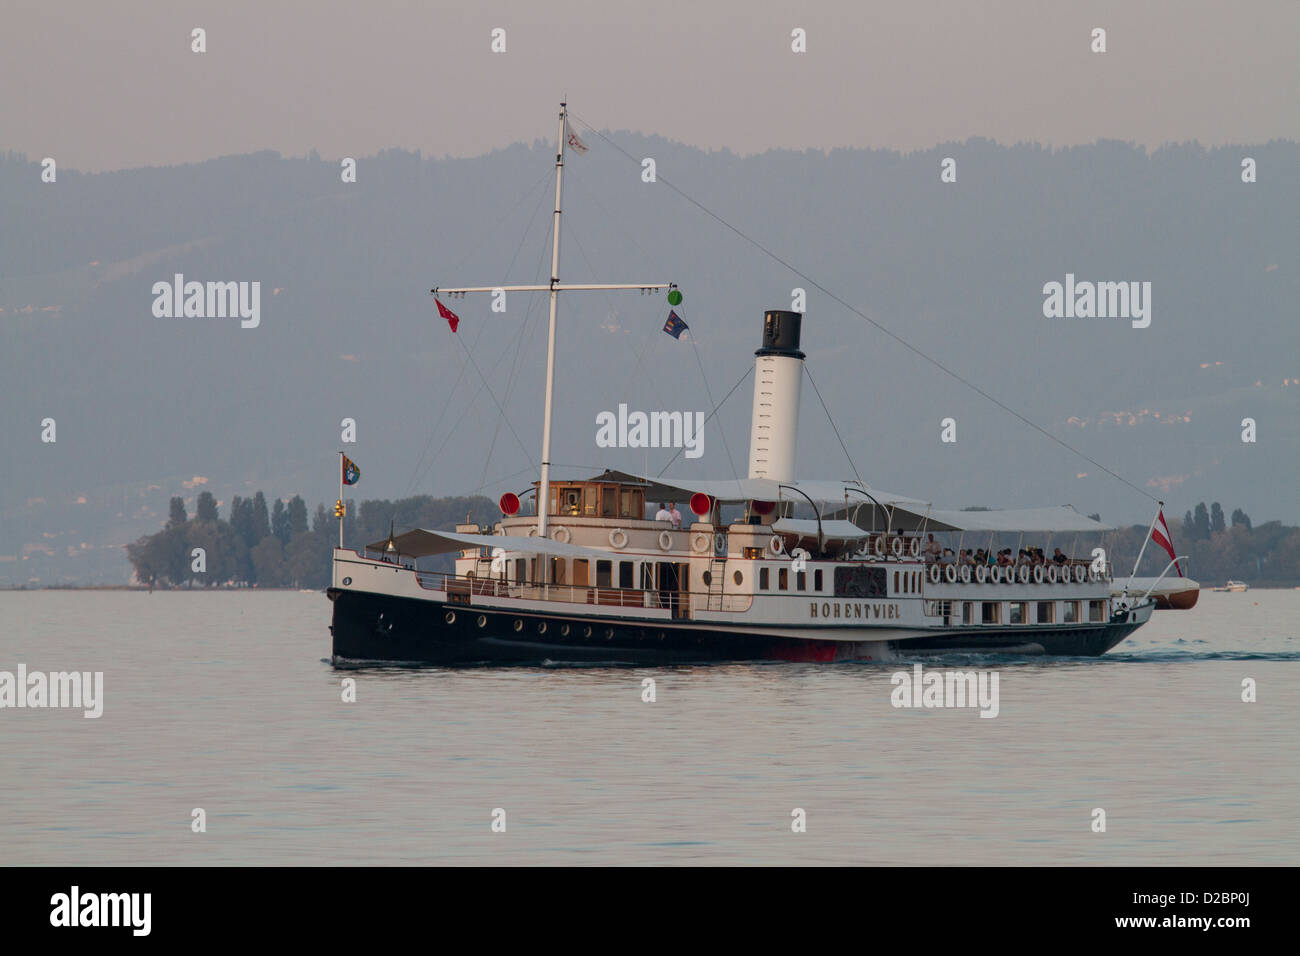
(452, 318)
(1160, 535)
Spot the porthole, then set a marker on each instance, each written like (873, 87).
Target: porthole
(347, 581)
(707, 577)
(564, 630)
(482, 620)
(738, 578)
(519, 625)
(541, 627)
(609, 633)
(451, 617)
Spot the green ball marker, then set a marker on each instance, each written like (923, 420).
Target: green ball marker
(674, 297)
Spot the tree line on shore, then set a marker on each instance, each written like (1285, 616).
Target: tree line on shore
(277, 546)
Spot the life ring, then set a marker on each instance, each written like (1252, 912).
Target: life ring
(950, 573)
(699, 541)
(1094, 574)
(897, 546)
(1051, 574)
(964, 573)
(1024, 574)
(1080, 572)
(719, 543)
(935, 573)
(532, 532)
(914, 547)
(879, 546)
(618, 538)
(1038, 574)
(665, 541)
(776, 544)
(562, 531)
(981, 573)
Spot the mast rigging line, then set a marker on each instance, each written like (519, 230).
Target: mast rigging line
(418, 474)
(862, 315)
(749, 371)
(852, 464)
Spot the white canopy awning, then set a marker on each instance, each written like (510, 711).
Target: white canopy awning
(420, 542)
(1032, 520)
(734, 490)
(832, 530)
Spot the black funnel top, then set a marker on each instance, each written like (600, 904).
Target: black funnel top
(781, 333)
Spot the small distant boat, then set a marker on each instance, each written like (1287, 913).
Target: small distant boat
(1233, 586)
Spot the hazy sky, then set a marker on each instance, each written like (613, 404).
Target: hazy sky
(109, 85)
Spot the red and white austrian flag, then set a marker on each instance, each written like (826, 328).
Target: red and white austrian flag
(1160, 535)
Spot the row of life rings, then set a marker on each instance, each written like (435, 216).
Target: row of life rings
(1049, 573)
(897, 546)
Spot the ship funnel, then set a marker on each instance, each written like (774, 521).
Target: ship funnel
(778, 374)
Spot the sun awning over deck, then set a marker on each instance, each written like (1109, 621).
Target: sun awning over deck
(1030, 520)
(737, 490)
(831, 529)
(419, 542)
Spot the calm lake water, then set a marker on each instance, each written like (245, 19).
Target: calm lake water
(227, 702)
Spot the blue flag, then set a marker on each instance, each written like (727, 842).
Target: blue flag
(675, 326)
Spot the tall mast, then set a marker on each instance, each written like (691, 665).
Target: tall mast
(555, 287)
(544, 489)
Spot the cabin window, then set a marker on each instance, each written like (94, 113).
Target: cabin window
(762, 579)
(558, 568)
(783, 579)
(1046, 612)
(801, 580)
(817, 580)
(604, 574)
(581, 572)
(897, 589)
(607, 502)
(968, 612)
(647, 576)
(1096, 611)
(1071, 615)
(1016, 613)
(521, 570)
(991, 612)
(625, 576)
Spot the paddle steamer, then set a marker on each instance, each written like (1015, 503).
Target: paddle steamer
(773, 566)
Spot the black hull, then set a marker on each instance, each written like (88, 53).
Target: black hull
(378, 628)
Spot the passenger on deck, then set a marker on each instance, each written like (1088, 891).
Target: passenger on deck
(1059, 558)
(675, 514)
(932, 550)
(663, 514)
(947, 557)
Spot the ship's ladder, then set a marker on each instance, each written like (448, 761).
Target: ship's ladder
(717, 572)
